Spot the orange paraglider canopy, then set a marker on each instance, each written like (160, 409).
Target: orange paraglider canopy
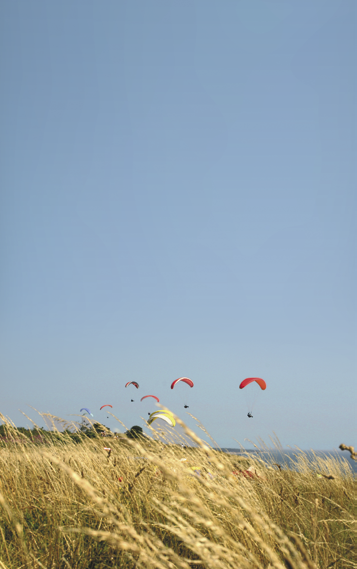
(249, 380)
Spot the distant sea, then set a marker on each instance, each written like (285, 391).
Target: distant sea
(289, 457)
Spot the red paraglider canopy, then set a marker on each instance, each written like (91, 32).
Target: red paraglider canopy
(154, 396)
(106, 406)
(132, 383)
(184, 379)
(249, 380)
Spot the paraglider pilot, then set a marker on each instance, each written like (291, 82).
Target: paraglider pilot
(250, 415)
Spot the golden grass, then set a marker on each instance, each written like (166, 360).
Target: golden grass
(351, 450)
(68, 505)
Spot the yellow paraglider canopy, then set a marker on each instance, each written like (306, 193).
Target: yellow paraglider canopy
(164, 415)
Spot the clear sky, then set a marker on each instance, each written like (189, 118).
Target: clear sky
(178, 197)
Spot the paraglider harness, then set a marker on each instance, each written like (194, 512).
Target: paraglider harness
(250, 415)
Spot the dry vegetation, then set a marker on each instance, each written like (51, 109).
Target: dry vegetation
(76, 505)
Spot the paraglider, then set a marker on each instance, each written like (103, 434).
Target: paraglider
(184, 380)
(154, 396)
(135, 385)
(106, 406)
(251, 397)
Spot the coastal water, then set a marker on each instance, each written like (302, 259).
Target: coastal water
(289, 458)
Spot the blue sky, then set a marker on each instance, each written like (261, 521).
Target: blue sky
(178, 197)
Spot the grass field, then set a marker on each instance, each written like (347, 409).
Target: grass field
(149, 505)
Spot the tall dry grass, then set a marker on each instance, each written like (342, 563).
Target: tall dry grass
(67, 505)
